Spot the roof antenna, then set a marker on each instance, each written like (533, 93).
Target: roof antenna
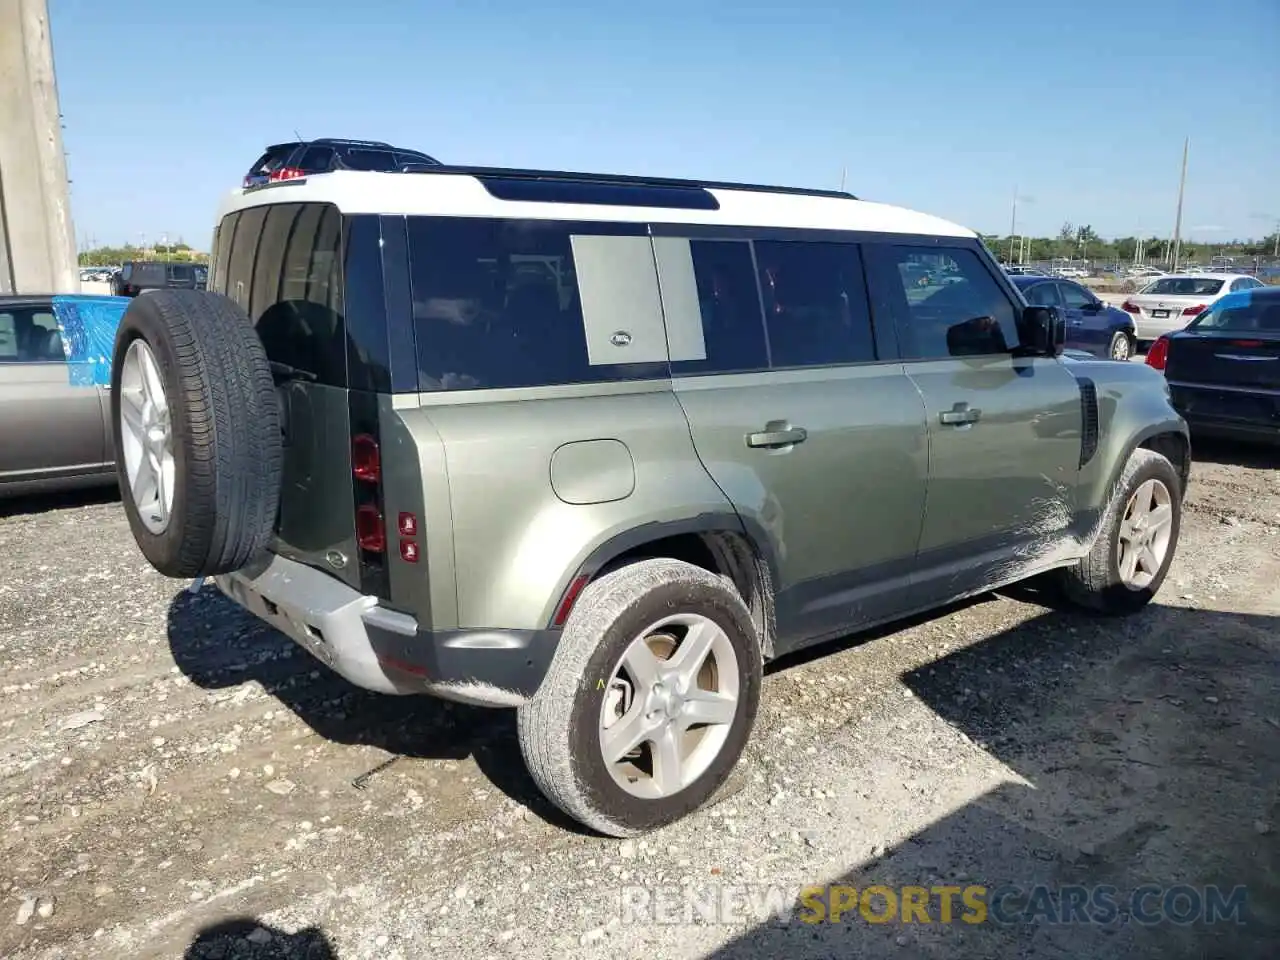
(842, 173)
(296, 134)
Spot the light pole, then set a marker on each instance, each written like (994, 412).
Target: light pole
(1177, 223)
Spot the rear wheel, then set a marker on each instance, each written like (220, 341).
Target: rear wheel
(1121, 346)
(649, 700)
(197, 432)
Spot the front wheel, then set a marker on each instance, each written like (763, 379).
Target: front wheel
(649, 699)
(1136, 540)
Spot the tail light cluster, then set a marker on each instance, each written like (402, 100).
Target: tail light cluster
(1158, 355)
(285, 173)
(1195, 311)
(1129, 307)
(371, 528)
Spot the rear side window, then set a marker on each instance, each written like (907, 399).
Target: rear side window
(1074, 296)
(316, 159)
(815, 304)
(949, 303)
(500, 303)
(281, 264)
(728, 305)
(376, 160)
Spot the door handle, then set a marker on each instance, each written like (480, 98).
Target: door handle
(960, 415)
(777, 433)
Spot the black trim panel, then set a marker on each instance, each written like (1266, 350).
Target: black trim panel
(514, 661)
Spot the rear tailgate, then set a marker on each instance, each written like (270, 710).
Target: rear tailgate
(1226, 377)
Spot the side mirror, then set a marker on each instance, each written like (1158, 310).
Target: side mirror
(1043, 331)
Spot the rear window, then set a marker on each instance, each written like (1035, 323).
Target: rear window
(182, 272)
(1184, 287)
(1238, 315)
(523, 303)
(271, 160)
(280, 263)
(144, 274)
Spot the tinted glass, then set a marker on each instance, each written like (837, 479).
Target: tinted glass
(29, 335)
(1041, 294)
(1074, 296)
(222, 253)
(283, 269)
(148, 274)
(951, 304)
(182, 272)
(315, 159)
(1240, 315)
(496, 304)
(815, 303)
(271, 160)
(729, 302)
(1184, 287)
(378, 160)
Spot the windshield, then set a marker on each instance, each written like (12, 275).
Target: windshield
(1233, 315)
(1184, 287)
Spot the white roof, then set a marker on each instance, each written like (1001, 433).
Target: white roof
(463, 195)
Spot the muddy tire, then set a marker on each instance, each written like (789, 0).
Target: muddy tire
(196, 428)
(1136, 541)
(682, 642)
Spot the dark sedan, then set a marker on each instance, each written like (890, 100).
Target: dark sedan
(1093, 326)
(1224, 367)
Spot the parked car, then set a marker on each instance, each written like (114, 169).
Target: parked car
(601, 470)
(1169, 303)
(300, 158)
(1093, 325)
(54, 410)
(140, 276)
(1224, 368)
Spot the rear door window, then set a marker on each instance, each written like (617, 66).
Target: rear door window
(30, 335)
(525, 303)
(1042, 295)
(815, 304)
(1074, 297)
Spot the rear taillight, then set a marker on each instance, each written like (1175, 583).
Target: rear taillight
(286, 173)
(1195, 311)
(366, 463)
(371, 533)
(1158, 355)
(1129, 307)
(1247, 343)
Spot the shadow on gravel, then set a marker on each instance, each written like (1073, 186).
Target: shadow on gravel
(62, 500)
(218, 645)
(1152, 751)
(1229, 453)
(243, 938)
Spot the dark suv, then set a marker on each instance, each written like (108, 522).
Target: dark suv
(139, 275)
(287, 161)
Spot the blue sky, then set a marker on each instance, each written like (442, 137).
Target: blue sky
(941, 106)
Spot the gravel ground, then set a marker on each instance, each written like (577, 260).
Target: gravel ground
(175, 778)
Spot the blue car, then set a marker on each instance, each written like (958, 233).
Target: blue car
(1093, 326)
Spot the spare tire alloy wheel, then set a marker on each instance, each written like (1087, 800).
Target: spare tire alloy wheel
(146, 437)
(196, 428)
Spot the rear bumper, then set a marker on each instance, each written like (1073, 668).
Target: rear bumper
(384, 650)
(1230, 413)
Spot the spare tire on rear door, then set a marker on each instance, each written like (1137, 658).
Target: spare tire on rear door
(196, 425)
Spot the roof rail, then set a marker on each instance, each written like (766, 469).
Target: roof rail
(504, 173)
(349, 143)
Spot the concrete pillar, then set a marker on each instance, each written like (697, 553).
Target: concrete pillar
(37, 240)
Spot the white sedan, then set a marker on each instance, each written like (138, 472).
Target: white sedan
(1170, 303)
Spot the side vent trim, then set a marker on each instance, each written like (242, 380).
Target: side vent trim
(1088, 420)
